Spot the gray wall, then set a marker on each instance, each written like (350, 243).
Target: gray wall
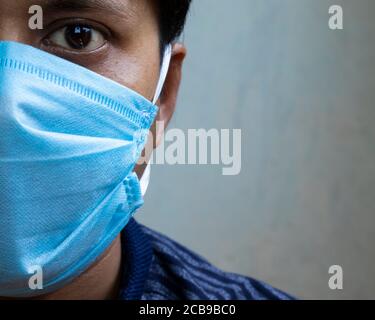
(304, 97)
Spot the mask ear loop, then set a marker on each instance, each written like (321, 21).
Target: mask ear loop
(145, 180)
(163, 72)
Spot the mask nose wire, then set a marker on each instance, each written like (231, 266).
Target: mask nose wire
(145, 180)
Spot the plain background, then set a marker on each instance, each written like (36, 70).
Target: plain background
(303, 96)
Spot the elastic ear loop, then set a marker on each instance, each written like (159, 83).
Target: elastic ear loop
(163, 72)
(145, 180)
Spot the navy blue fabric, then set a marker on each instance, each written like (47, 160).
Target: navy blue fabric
(157, 268)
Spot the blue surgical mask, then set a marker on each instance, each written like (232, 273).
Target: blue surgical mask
(69, 142)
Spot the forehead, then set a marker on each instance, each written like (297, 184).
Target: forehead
(118, 7)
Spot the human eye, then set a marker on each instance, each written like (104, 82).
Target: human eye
(76, 37)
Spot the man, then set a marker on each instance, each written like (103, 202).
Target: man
(69, 137)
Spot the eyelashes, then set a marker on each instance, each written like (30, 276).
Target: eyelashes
(76, 37)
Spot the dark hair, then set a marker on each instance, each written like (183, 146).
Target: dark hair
(173, 15)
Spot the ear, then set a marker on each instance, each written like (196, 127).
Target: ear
(168, 98)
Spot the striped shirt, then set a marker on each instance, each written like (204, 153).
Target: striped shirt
(157, 268)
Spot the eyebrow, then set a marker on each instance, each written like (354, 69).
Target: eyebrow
(113, 6)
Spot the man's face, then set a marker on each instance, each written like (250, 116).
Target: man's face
(118, 39)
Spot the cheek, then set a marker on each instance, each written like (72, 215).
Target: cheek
(137, 71)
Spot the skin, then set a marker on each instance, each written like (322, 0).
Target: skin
(126, 50)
